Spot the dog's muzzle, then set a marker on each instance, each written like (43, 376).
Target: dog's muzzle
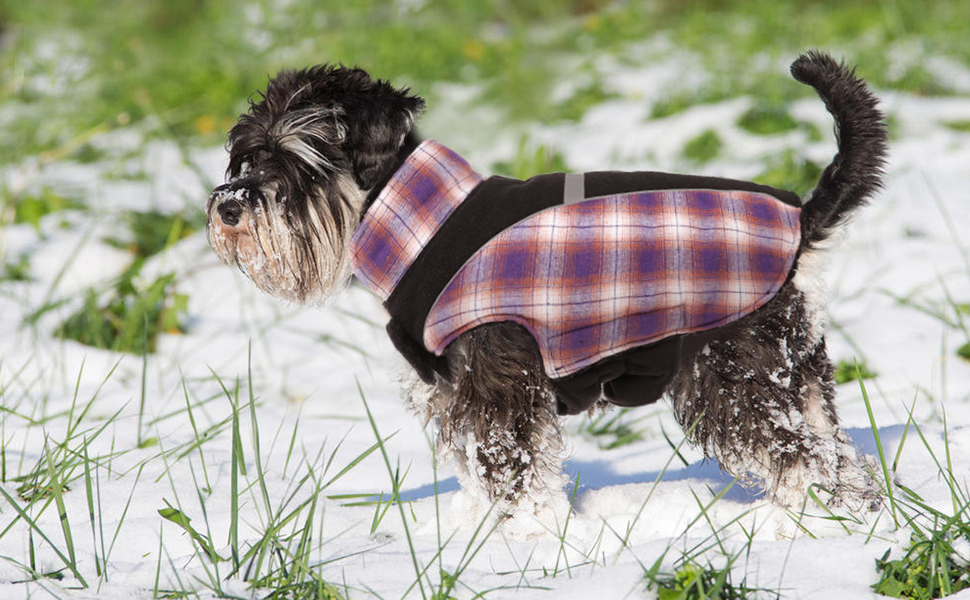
(231, 200)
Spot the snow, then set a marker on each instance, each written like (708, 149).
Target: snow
(311, 370)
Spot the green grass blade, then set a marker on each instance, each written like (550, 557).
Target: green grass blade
(89, 496)
(34, 527)
(882, 455)
(174, 515)
(257, 456)
(235, 467)
(356, 461)
(57, 491)
(395, 485)
(143, 396)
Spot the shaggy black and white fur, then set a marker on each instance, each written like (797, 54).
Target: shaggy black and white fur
(316, 148)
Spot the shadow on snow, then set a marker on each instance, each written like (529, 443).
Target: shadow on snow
(598, 474)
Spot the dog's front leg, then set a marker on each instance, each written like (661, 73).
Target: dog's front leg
(500, 420)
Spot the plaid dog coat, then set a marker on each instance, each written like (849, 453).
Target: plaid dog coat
(606, 270)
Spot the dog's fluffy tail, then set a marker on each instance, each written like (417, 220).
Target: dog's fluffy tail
(856, 171)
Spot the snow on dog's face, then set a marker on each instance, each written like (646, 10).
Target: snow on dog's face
(301, 162)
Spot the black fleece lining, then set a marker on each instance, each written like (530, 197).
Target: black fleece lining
(499, 203)
(635, 377)
(611, 183)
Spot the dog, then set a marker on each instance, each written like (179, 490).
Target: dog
(519, 302)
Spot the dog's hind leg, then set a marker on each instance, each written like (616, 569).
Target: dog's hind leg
(835, 462)
(760, 399)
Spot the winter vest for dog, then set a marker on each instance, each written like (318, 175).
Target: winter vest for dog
(594, 266)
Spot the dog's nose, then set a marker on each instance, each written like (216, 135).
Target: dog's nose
(229, 211)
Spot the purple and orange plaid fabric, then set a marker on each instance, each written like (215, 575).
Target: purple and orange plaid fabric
(430, 184)
(589, 279)
(593, 279)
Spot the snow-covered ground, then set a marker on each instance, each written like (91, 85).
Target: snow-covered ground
(896, 279)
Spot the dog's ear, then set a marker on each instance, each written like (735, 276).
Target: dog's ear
(377, 124)
(376, 117)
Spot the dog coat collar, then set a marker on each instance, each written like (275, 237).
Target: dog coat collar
(410, 209)
(592, 265)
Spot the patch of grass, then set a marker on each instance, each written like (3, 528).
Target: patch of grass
(697, 578)
(679, 101)
(963, 126)
(127, 60)
(135, 313)
(846, 371)
(671, 105)
(62, 461)
(16, 271)
(191, 66)
(152, 231)
(936, 561)
(532, 160)
(580, 101)
(693, 581)
(88, 154)
(281, 559)
(950, 312)
(63, 467)
(614, 429)
(868, 28)
(447, 581)
(790, 172)
(131, 319)
(704, 148)
(69, 560)
(917, 80)
(30, 209)
(767, 119)
(931, 566)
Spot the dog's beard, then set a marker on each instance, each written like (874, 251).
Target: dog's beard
(303, 261)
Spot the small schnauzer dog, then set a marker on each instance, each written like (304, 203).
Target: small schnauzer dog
(517, 302)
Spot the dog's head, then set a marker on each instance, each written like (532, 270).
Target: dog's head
(301, 163)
